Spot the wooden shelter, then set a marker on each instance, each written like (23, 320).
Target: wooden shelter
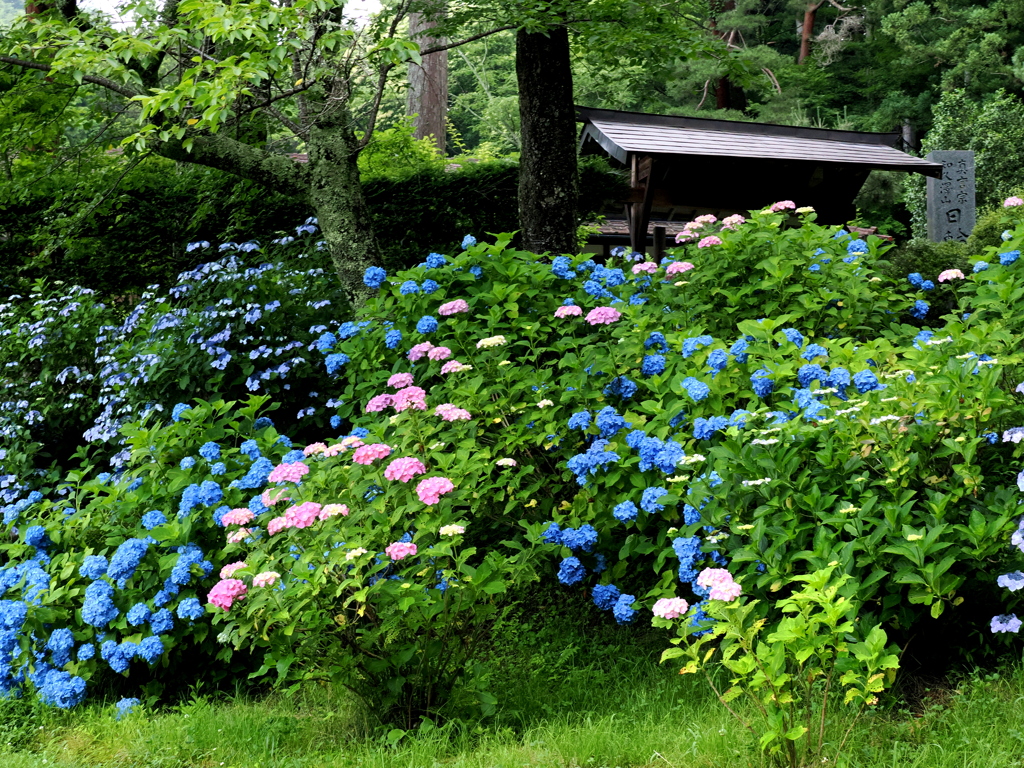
(681, 167)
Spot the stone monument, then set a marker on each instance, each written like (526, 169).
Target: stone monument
(951, 212)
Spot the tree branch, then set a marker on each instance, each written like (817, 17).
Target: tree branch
(470, 39)
(125, 91)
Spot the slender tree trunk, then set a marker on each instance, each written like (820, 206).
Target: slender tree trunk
(336, 196)
(807, 30)
(548, 175)
(428, 85)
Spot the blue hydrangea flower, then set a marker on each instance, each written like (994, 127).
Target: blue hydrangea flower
(704, 429)
(561, 266)
(980, 266)
(625, 512)
(429, 286)
(93, 566)
(920, 309)
(435, 261)
(35, 536)
(761, 383)
(621, 387)
(605, 596)
(609, 421)
(838, 378)
(915, 279)
(408, 287)
(693, 343)
(652, 365)
(809, 372)
(739, 349)
(468, 242)
(927, 285)
(61, 689)
(125, 707)
(86, 651)
(857, 246)
(374, 277)
(813, 351)
(60, 643)
(687, 550)
(648, 503)
(126, 559)
(187, 463)
(138, 614)
(99, 610)
(580, 420)
(623, 609)
(210, 451)
(426, 324)
(583, 538)
(335, 361)
(162, 621)
(866, 381)
(571, 571)
(190, 609)
(717, 361)
(656, 341)
(794, 336)
(696, 389)
(596, 456)
(552, 534)
(178, 410)
(1009, 257)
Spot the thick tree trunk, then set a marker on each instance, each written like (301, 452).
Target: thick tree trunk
(428, 85)
(548, 175)
(337, 198)
(807, 30)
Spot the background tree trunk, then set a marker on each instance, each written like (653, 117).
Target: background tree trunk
(807, 30)
(428, 85)
(548, 176)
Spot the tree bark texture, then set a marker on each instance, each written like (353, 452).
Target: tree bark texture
(548, 174)
(428, 85)
(807, 30)
(336, 195)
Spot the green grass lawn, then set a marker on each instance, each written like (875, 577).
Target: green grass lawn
(572, 695)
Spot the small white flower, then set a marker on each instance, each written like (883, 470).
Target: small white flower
(545, 403)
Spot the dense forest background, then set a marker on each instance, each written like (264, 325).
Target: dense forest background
(946, 74)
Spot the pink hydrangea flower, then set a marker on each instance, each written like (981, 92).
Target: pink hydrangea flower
(709, 241)
(274, 495)
(417, 352)
(721, 584)
(453, 308)
(732, 222)
(449, 412)
(677, 267)
(706, 218)
(439, 353)
(238, 517)
(288, 473)
(454, 366)
(348, 442)
(367, 454)
(230, 568)
(685, 235)
(400, 380)
(405, 469)
(276, 525)
(670, 607)
(331, 510)
(302, 515)
(1012, 202)
(410, 397)
(239, 535)
(603, 315)
(224, 593)
(378, 403)
(570, 310)
(400, 550)
(950, 274)
(265, 579)
(314, 448)
(430, 490)
(649, 267)
(782, 205)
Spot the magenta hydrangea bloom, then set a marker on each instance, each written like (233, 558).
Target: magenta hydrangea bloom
(226, 592)
(367, 454)
(670, 607)
(678, 266)
(648, 267)
(400, 550)
(405, 469)
(570, 310)
(288, 473)
(302, 515)
(721, 584)
(603, 315)
(230, 568)
(453, 308)
(783, 205)
(420, 351)
(410, 397)
(709, 241)
(439, 353)
(400, 381)
(431, 489)
(238, 517)
(378, 403)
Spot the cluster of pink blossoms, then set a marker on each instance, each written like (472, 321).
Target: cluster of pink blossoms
(670, 607)
(721, 584)
(367, 454)
(439, 353)
(225, 592)
(230, 568)
(405, 469)
(270, 498)
(568, 310)
(1012, 202)
(782, 205)
(378, 403)
(239, 535)
(400, 380)
(709, 241)
(238, 517)
(288, 473)
(449, 412)
(330, 510)
(265, 579)
(410, 397)
(430, 490)
(676, 267)
(950, 274)
(302, 515)
(453, 308)
(649, 267)
(733, 222)
(400, 550)
(603, 315)
(346, 442)
(314, 448)
(454, 366)
(419, 351)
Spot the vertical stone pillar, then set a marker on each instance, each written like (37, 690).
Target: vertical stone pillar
(951, 211)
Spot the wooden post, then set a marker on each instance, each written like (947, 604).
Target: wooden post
(659, 243)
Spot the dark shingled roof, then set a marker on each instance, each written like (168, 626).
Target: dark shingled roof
(621, 133)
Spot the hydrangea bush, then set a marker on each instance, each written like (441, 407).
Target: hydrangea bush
(759, 405)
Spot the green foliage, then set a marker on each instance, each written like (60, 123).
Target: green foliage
(793, 669)
(929, 259)
(989, 229)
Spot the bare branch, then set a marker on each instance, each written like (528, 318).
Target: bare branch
(470, 39)
(125, 91)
